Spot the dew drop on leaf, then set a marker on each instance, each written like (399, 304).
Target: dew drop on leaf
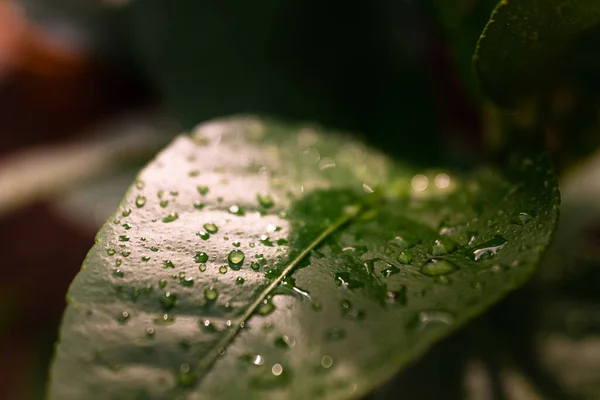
(223, 269)
(171, 217)
(239, 280)
(203, 235)
(168, 264)
(489, 248)
(211, 293)
(266, 307)
(123, 317)
(265, 200)
(124, 238)
(255, 266)
(111, 252)
(162, 283)
(405, 257)
(168, 301)
(429, 319)
(201, 257)
(198, 205)
(140, 201)
(345, 280)
(211, 228)
(442, 246)
(236, 258)
(203, 190)
(438, 266)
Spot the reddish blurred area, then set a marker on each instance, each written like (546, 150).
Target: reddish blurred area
(49, 93)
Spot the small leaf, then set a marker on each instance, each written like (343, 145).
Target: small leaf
(350, 314)
(521, 46)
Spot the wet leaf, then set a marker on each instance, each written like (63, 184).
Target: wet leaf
(354, 266)
(525, 41)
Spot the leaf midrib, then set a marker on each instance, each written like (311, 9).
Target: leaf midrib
(213, 355)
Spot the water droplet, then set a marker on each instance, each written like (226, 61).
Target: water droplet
(201, 257)
(171, 217)
(265, 200)
(221, 351)
(258, 360)
(139, 185)
(211, 293)
(207, 326)
(523, 218)
(168, 301)
(442, 246)
(186, 376)
(489, 248)
(203, 190)
(202, 267)
(211, 228)
(162, 283)
(111, 252)
(390, 270)
(438, 266)
(433, 319)
(154, 249)
(126, 227)
(236, 244)
(118, 273)
(344, 279)
(203, 235)
(335, 334)
(326, 361)
(198, 205)
(118, 262)
(150, 332)
(168, 264)
(273, 273)
(405, 257)
(282, 342)
(442, 280)
(140, 201)
(164, 203)
(125, 253)
(255, 266)
(265, 240)
(123, 317)
(239, 280)
(127, 212)
(236, 259)
(187, 282)
(124, 238)
(223, 269)
(236, 210)
(266, 307)
(165, 319)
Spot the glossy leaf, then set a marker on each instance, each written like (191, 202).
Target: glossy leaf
(523, 45)
(251, 260)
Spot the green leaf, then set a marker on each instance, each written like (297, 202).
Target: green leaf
(252, 260)
(522, 47)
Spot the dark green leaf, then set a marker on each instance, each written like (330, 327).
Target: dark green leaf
(522, 46)
(339, 287)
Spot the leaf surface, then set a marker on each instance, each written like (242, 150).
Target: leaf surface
(337, 289)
